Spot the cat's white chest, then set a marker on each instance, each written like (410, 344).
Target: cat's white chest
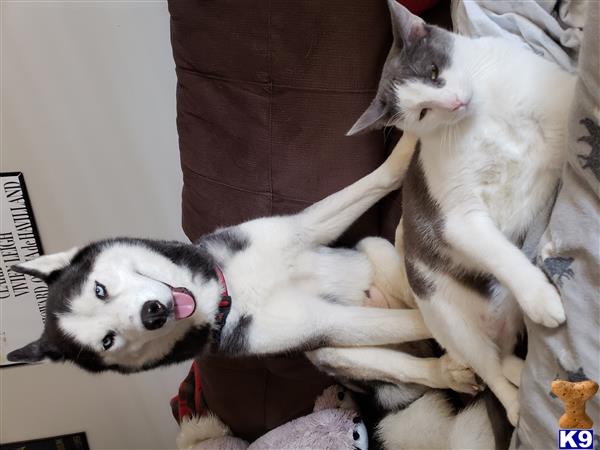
(513, 171)
(506, 169)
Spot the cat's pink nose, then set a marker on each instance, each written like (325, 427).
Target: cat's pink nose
(456, 104)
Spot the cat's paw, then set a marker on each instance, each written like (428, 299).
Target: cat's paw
(459, 377)
(541, 302)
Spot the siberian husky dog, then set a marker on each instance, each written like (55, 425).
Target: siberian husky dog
(266, 286)
(269, 285)
(491, 118)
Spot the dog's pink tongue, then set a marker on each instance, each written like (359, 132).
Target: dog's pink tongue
(184, 305)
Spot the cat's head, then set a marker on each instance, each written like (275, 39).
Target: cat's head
(422, 85)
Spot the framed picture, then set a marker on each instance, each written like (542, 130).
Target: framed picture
(22, 297)
(76, 441)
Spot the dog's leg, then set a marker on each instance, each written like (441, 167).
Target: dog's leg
(389, 272)
(393, 366)
(289, 323)
(327, 219)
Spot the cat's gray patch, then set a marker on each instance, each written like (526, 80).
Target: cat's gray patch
(422, 226)
(414, 62)
(592, 160)
(404, 63)
(421, 286)
(424, 238)
(483, 284)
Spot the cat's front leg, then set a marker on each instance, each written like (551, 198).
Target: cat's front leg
(476, 238)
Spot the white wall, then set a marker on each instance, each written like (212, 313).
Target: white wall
(88, 115)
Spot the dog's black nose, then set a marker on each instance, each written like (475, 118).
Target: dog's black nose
(154, 314)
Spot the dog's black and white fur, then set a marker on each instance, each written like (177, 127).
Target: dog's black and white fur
(112, 306)
(289, 292)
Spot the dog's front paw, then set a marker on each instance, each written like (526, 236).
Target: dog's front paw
(325, 359)
(459, 377)
(542, 304)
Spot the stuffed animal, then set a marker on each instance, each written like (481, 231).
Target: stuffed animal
(334, 424)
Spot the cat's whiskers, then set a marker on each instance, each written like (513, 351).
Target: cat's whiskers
(445, 138)
(451, 131)
(388, 128)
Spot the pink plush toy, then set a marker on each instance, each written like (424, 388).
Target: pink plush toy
(334, 424)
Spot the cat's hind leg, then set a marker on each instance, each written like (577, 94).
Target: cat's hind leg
(454, 314)
(512, 368)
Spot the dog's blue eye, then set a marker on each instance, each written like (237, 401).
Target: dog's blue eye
(108, 340)
(100, 291)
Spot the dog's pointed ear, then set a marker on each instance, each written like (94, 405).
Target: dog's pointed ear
(406, 27)
(43, 266)
(35, 351)
(375, 117)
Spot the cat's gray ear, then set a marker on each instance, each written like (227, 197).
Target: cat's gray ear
(33, 352)
(374, 117)
(42, 266)
(405, 25)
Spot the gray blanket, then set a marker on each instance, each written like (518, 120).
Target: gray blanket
(569, 250)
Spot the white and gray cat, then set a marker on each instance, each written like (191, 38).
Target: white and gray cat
(491, 120)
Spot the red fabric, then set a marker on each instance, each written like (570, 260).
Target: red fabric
(188, 401)
(418, 6)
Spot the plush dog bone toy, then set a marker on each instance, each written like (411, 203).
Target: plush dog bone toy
(574, 396)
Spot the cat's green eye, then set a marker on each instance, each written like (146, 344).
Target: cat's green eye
(434, 72)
